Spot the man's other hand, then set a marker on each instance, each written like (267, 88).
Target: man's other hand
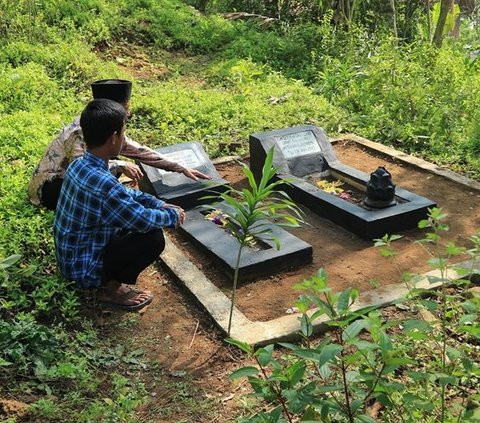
(180, 211)
(195, 174)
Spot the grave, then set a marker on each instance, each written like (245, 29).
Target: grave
(219, 245)
(257, 260)
(177, 188)
(303, 154)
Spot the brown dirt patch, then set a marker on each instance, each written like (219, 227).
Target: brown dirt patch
(349, 260)
(187, 362)
(136, 61)
(12, 408)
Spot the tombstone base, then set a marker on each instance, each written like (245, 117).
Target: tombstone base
(379, 204)
(366, 222)
(222, 247)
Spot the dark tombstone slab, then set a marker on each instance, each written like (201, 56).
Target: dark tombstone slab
(177, 188)
(263, 259)
(299, 151)
(303, 152)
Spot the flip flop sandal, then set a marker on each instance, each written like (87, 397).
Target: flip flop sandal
(128, 307)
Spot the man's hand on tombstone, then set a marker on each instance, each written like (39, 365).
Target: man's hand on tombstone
(180, 211)
(195, 174)
(132, 171)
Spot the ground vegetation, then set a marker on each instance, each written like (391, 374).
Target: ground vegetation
(403, 73)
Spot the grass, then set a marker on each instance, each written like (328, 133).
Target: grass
(201, 79)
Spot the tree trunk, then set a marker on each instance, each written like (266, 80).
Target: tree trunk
(342, 13)
(429, 20)
(455, 33)
(445, 7)
(394, 19)
(467, 7)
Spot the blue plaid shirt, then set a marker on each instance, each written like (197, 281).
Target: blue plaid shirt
(93, 208)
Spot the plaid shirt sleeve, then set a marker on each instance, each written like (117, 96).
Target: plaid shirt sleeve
(136, 211)
(145, 199)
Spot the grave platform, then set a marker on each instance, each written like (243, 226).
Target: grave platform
(303, 151)
(177, 188)
(258, 260)
(210, 238)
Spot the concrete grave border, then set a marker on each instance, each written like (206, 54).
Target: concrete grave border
(217, 304)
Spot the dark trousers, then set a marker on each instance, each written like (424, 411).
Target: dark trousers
(51, 192)
(126, 256)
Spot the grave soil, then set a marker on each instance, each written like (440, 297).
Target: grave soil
(348, 260)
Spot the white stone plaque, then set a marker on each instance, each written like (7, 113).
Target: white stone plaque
(298, 144)
(187, 158)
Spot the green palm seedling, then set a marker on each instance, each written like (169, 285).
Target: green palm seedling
(249, 213)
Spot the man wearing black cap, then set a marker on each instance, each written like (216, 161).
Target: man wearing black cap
(45, 184)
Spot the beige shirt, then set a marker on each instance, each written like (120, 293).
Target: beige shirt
(69, 145)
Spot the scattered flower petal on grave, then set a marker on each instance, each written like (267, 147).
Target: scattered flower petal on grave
(221, 219)
(218, 217)
(346, 196)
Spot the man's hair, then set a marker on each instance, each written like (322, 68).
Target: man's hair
(100, 119)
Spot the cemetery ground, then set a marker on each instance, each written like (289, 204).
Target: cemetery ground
(175, 349)
(185, 363)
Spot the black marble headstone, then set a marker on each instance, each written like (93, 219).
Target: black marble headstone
(177, 188)
(299, 151)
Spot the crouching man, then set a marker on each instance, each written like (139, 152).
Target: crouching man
(105, 233)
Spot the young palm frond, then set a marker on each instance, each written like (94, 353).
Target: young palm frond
(251, 211)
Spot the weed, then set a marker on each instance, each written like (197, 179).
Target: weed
(419, 372)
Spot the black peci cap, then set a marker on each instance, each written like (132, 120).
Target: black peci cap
(118, 90)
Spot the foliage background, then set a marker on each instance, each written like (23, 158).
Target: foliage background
(299, 62)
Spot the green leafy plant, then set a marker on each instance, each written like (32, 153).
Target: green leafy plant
(446, 314)
(120, 407)
(249, 213)
(369, 368)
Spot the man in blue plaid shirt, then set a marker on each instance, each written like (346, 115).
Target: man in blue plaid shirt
(105, 233)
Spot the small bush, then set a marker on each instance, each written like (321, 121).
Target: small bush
(417, 98)
(19, 86)
(171, 25)
(71, 63)
(24, 342)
